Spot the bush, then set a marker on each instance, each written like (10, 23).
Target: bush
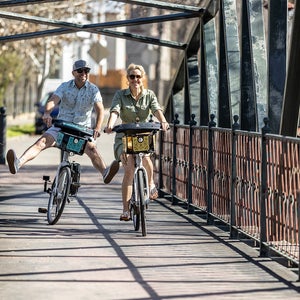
(18, 130)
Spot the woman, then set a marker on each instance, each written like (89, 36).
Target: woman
(130, 104)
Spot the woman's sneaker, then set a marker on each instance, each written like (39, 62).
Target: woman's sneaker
(12, 161)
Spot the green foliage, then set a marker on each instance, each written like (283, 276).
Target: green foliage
(18, 130)
(11, 66)
(37, 54)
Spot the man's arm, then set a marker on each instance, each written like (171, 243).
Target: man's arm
(99, 109)
(51, 103)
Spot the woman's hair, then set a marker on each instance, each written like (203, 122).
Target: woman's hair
(136, 67)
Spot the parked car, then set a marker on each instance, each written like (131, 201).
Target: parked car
(40, 126)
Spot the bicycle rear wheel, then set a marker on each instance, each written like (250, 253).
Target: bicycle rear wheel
(59, 195)
(142, 189)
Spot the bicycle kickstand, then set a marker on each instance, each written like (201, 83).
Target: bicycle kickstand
(46, 190)
(46, 181)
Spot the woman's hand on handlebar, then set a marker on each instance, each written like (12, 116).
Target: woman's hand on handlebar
(165, 126)
(108, 129)
(113, 116)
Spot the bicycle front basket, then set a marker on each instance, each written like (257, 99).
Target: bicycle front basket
(138, 143)
(70, 143)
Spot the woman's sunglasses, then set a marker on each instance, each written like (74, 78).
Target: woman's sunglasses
(86, 70)
(134, 76)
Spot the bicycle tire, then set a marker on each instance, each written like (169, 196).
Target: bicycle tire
(141, 195)
(58, 198)
(135, 216)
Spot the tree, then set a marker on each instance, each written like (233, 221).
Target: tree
(11, 69)
(36, 56)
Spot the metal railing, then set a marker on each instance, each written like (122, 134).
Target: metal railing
(248, 180)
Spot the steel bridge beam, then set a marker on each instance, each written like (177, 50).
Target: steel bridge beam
(291, 101)
(276, 61)
(107, 32)
(96, 28)
(122, 23)
(10, 3)
(248, 115)
(163, 5)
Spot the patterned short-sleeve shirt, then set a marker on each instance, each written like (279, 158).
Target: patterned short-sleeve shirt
(76, 105)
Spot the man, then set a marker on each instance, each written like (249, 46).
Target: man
(76, 99)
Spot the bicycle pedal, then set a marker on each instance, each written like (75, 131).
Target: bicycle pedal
(43, 210)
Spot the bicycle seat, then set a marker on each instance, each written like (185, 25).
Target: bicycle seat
(73, 128)
(133, 128)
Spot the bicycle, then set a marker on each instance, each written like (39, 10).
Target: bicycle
(71, 139)
(139, 140)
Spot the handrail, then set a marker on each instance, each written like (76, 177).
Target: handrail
(254, 175)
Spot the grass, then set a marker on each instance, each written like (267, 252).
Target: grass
(17, 130)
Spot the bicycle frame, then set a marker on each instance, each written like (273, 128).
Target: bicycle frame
(65, 162)
(138, 140)
(71, 140)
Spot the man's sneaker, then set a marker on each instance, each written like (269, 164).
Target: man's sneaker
(13, 162)
(110, 172)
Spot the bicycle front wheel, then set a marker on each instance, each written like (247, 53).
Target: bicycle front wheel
(142, 192)
(59, 195)
(135, 215)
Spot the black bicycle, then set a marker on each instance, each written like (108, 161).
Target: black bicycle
(139, 140)
(71, 139)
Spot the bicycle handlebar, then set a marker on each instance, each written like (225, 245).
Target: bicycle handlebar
(73, 128)
(132, 128)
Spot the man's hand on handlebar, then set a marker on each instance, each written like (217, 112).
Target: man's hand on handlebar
(47, 119)
(97, 133)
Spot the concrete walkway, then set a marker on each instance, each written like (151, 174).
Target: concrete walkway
(90, 254)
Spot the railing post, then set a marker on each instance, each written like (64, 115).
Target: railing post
(191, 165)
(263, 192)
(174, 198)
(298, 205)
(160, 166)
(210, 169)
(2, 134)
(233, 230)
